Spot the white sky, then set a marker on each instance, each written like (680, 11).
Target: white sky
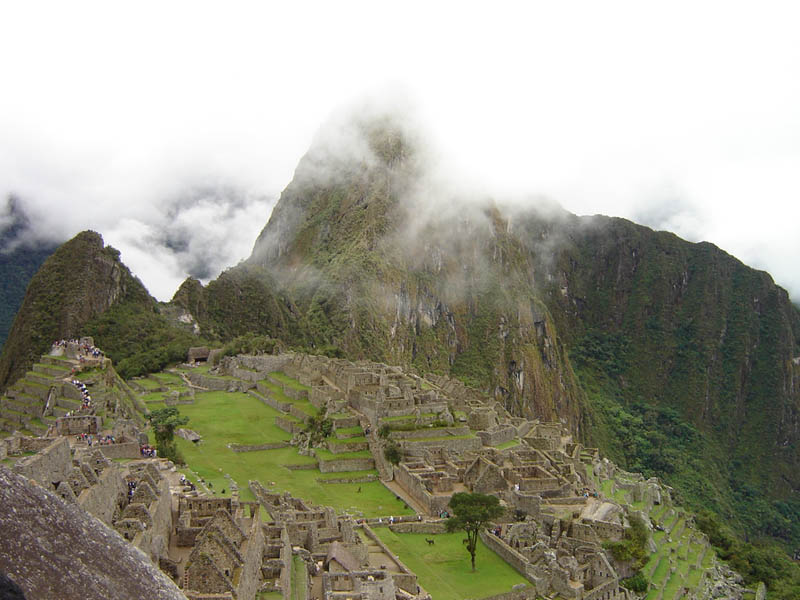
(141, 120)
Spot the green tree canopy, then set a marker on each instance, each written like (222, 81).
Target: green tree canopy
(164, 422)
(470, 513)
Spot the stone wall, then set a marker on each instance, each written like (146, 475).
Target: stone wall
(400, 435)
(528, 503)
(415, 488)
(154, 541)
(346, 464)
(457, 445)
(32, 444)
(100, 499)
(342, 446)
(607, 530)
(521, 592)
(406, 578)
(79, 424)
(430, 527)
(247, 374)
(52, 464)
(497, 436)
(123, 450)
(250, 576)
(266, 363)
(508, 554)
(219, 384)
(289, 425)
(266, 396)
(271, 446)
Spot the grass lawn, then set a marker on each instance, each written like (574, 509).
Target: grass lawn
(299, 578)
(222, 418)
(292, 383)
(344, 432)
(444, 569)
(508, 444)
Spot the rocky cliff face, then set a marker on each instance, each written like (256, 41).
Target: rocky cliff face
(77, 282)
(80, 281)
(699, 332)
(373, 273)
(372, 259)
(52, 549)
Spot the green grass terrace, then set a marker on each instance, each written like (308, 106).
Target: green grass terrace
(444, 570)
(225, 418)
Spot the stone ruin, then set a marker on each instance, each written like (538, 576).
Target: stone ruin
(87, 478)
(332, 549)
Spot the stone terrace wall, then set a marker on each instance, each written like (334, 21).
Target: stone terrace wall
(219, 384)
(457, 445)
(346, 464)
(265, 363)
(430, 527)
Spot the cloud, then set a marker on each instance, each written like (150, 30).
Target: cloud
(683, 114)
(198, 233)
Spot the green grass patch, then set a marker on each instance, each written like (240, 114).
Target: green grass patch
(352, 440)
(661, 572)
(277, 393)
(671, 589)
(340, 415)
(327, 455)
(442, 438)
(343, 431)
(508, 444)
(292, 383)
(63, 368)
(299, 578)
(168, 378)
(444, 569)
(223, 417)
(148, 384)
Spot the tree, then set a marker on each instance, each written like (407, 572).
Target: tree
(392, 453)
(318, 428)
(164, 422)
(471, 512)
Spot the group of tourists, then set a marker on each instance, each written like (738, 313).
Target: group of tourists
(187, 483)
(148, 451)
(587, 492)
(86, 397)
(84, 350)
(131, 489)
